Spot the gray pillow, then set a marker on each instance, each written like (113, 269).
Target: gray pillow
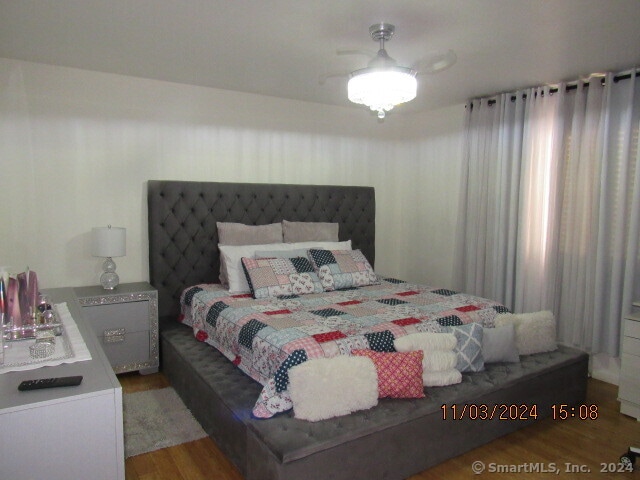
(499, 344)
(240, 234)
(309, 231)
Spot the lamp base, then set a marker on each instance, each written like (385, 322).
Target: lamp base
(109, 279)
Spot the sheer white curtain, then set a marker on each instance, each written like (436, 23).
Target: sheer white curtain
(551, 205)
(539, 213)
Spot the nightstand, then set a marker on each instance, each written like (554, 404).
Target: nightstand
(629, 393)
(125, 320)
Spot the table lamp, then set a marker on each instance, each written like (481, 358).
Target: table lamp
(109, 242)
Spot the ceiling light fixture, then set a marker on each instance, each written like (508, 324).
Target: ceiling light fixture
(383, 84)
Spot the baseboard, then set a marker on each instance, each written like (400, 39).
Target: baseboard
(605, 368)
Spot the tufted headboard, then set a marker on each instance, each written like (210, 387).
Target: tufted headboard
(183, 236)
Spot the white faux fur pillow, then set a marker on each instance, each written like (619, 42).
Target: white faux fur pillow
(535, 332)
(323, 388)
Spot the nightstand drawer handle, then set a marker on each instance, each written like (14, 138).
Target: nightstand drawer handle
(114, 336)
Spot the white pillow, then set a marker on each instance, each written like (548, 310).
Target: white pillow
(425, 341)
(439, 361)
(233, 254)
(441, 379)
(297, 252)
(438, 353)
(535, 332)
(323, 388)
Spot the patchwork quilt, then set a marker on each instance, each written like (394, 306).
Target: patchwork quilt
(266, 337)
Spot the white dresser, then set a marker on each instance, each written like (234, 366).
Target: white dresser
(629, 392)
(63, 433)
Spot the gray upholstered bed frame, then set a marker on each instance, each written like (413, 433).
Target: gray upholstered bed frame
(183, 238)
(391, 441)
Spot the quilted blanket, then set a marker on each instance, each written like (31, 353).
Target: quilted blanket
(266, 337)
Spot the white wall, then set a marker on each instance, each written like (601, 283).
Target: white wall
(76, 148)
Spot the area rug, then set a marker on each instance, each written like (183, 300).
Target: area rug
(156, 419)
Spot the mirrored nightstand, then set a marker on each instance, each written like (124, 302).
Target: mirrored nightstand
(125, 320)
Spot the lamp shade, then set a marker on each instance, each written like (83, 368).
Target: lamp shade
(382, 89)
(109, 241)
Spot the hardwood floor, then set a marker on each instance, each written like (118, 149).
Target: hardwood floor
(200, 459)
(548, 445)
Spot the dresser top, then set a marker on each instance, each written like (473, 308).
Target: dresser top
(98, 376)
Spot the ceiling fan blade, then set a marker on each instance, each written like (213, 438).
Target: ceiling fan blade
(436, 62)
(325, 76)
(354, 51)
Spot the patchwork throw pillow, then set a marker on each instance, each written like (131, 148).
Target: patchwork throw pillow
(399, 374)
(468, 347)
(535, 332)
(272, 277)
(328, 387)
(231, 257)
(340, 269)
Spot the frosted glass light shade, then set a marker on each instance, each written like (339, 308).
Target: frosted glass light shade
(381, 90)
(109, 241)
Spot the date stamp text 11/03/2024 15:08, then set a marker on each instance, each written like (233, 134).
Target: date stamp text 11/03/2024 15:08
(481, 411)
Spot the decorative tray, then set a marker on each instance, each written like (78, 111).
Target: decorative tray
(47, 322)
(47, 344)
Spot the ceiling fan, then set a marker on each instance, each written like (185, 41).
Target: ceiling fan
(382, 84)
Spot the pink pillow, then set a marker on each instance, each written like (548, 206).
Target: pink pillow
(399, 374)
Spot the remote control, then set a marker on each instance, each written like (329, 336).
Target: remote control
(50, 383)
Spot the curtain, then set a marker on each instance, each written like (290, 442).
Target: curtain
(550, 207)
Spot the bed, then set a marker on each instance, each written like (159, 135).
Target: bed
(396, 438)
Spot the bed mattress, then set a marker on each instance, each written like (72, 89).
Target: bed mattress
(265, 337)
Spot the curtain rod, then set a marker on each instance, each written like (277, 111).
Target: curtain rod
(574, 85)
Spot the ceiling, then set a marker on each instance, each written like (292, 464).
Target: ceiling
(282, 48)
